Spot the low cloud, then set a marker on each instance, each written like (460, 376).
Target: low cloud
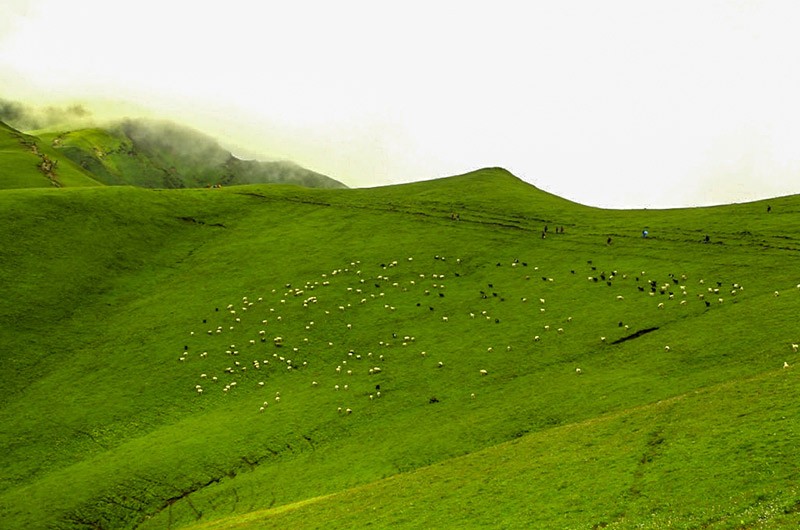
(28, 117)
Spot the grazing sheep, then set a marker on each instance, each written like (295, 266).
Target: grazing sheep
(795, 347)
(484, 372)
(666, 348)
(578, 371)
(536, 338)
(785, 364)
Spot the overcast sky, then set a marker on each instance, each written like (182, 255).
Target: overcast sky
(615, 103)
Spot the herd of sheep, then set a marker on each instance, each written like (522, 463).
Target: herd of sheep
(248, 343)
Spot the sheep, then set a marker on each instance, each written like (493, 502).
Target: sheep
(777, 294)
(578, 371)
(560, 330)
(666, 348)
(661, 305)
(620, 297)
(536, 338)
(484, 372)
(785, 364)
(795, 347)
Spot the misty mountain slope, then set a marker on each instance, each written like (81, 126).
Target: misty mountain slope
(27, 162)
(146, 321)
(165, 155)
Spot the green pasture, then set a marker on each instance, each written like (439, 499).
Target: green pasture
(440, 363)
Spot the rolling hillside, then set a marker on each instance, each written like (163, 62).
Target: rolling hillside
(136, 153)
(414, 356)
(27, 162)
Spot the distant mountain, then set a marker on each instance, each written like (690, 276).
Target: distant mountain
(140, 153)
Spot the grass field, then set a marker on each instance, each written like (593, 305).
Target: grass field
(427, 373)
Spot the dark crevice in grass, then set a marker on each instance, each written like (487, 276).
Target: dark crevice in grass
(200, 222)
(635, 335)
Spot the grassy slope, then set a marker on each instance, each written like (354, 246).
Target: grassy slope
(103, 300)
(20, 163)
(164, 155)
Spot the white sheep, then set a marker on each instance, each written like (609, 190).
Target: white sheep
(795, 347)
(484, 372)
(578, 371)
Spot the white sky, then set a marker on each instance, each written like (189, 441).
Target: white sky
(615, 103)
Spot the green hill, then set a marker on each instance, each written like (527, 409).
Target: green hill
(27, 162)
(135, 153)
(413, 356)
(165, 155)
